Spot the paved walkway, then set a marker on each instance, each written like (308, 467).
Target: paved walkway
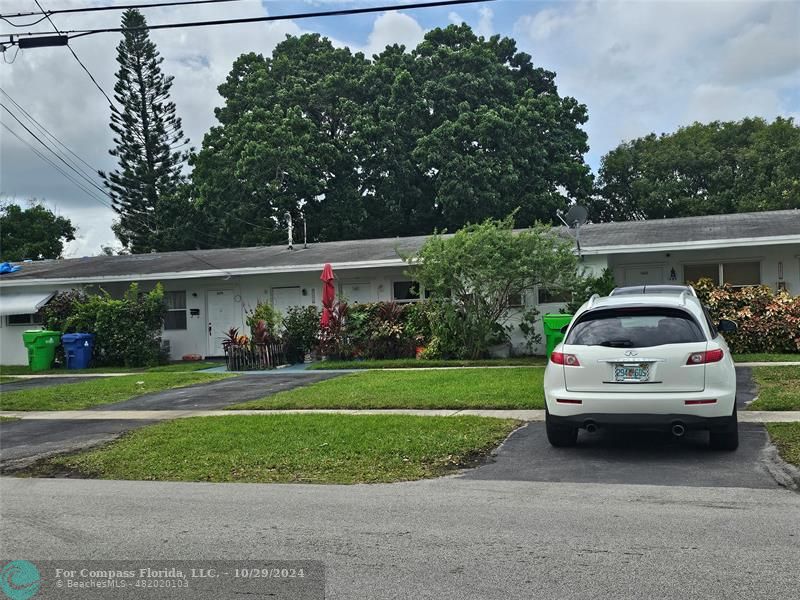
(750, 416)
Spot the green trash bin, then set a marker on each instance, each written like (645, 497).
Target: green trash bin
(41, 345)
(552, 329)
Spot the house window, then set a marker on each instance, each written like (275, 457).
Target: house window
(176, 310)
(28, 319)
(741, 273)
(694, 273)
(516, 300)
(733, 273)
(405, 291)
(554, 296)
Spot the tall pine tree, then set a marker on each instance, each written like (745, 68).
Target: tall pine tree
(148, 141)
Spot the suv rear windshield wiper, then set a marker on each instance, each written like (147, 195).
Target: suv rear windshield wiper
(616, 344)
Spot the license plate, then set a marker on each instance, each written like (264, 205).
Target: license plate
(631, 372)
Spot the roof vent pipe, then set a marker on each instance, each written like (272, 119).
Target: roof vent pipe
(289, 219)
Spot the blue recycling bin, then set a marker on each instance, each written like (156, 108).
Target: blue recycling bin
(78, 349)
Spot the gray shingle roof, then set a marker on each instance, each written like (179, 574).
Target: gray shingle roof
(690, 229)
(745, 225)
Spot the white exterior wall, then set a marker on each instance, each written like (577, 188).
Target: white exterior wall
(375, 284)
(658, 265)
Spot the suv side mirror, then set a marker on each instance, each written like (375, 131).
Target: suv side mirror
(726, 326)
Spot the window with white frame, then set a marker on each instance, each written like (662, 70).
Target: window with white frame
(26, 319)
(738, 273)
(405, 291)
(176, 310)
(554, 295)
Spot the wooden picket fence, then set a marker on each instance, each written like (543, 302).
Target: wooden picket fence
(255, 357)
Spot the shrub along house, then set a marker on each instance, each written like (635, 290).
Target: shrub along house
(209, 291)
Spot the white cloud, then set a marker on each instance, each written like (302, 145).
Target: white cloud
(485, 26)
(393, 28)
(654, 66)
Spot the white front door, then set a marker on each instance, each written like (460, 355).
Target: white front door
(357, 292)
(223, 314)
(284, 297)
(650, 275)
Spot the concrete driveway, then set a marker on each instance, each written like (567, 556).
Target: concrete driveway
(646, 458)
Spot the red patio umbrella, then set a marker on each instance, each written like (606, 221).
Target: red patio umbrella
(328, 294)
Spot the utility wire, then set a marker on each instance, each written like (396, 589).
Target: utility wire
(137, 217)
(94, 197)
(46, 132)
(85, 9)
(76, 33)
(80, 62)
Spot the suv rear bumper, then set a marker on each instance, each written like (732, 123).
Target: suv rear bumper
(641, 421)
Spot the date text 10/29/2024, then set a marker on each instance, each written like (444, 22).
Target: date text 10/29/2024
(174, 579)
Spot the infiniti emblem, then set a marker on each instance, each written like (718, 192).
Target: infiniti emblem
(631, 353)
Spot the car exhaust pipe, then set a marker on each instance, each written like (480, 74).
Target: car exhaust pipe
(590, 426)
(678, 429)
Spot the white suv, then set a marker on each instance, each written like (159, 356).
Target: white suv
(647, 357)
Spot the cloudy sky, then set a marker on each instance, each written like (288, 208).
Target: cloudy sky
(639, 65)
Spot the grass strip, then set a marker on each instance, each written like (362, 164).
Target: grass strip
(412, 363)
(766, 357)
(778, 388)
(102, 390)
(786, 436)
(178, 367)
(457, 389)
(292, 449)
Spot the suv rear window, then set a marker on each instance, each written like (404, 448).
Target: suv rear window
(635, 328)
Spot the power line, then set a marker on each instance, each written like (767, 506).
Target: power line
(80, 62)
(76, 33)
(141, 219)
(86, 9)
(46, 132)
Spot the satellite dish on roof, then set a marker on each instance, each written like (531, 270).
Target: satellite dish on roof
(577, 215)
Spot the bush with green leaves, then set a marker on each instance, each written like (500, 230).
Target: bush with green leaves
(476, 273)
(266, 313)
(127, 330)
(300, 331)
(586, 286)
(768, 321)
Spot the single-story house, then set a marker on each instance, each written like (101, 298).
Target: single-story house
(209, 291)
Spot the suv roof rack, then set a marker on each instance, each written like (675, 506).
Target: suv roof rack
(632, 290)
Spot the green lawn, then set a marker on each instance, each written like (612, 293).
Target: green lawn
(457, 389)
(178, 367)
(292, 448)
(766, 357)
(786, 436)
(8, 379)
(7, 419)
(778, 388)
(74, 396)
(408, 363)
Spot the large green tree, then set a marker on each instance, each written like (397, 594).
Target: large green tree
(714, 168)
(458, 130)
(33, 232)
(149, 148)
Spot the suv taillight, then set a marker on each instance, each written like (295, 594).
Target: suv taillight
(569, 360)
(702, 358)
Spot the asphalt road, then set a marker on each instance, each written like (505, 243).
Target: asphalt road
(451, 538)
